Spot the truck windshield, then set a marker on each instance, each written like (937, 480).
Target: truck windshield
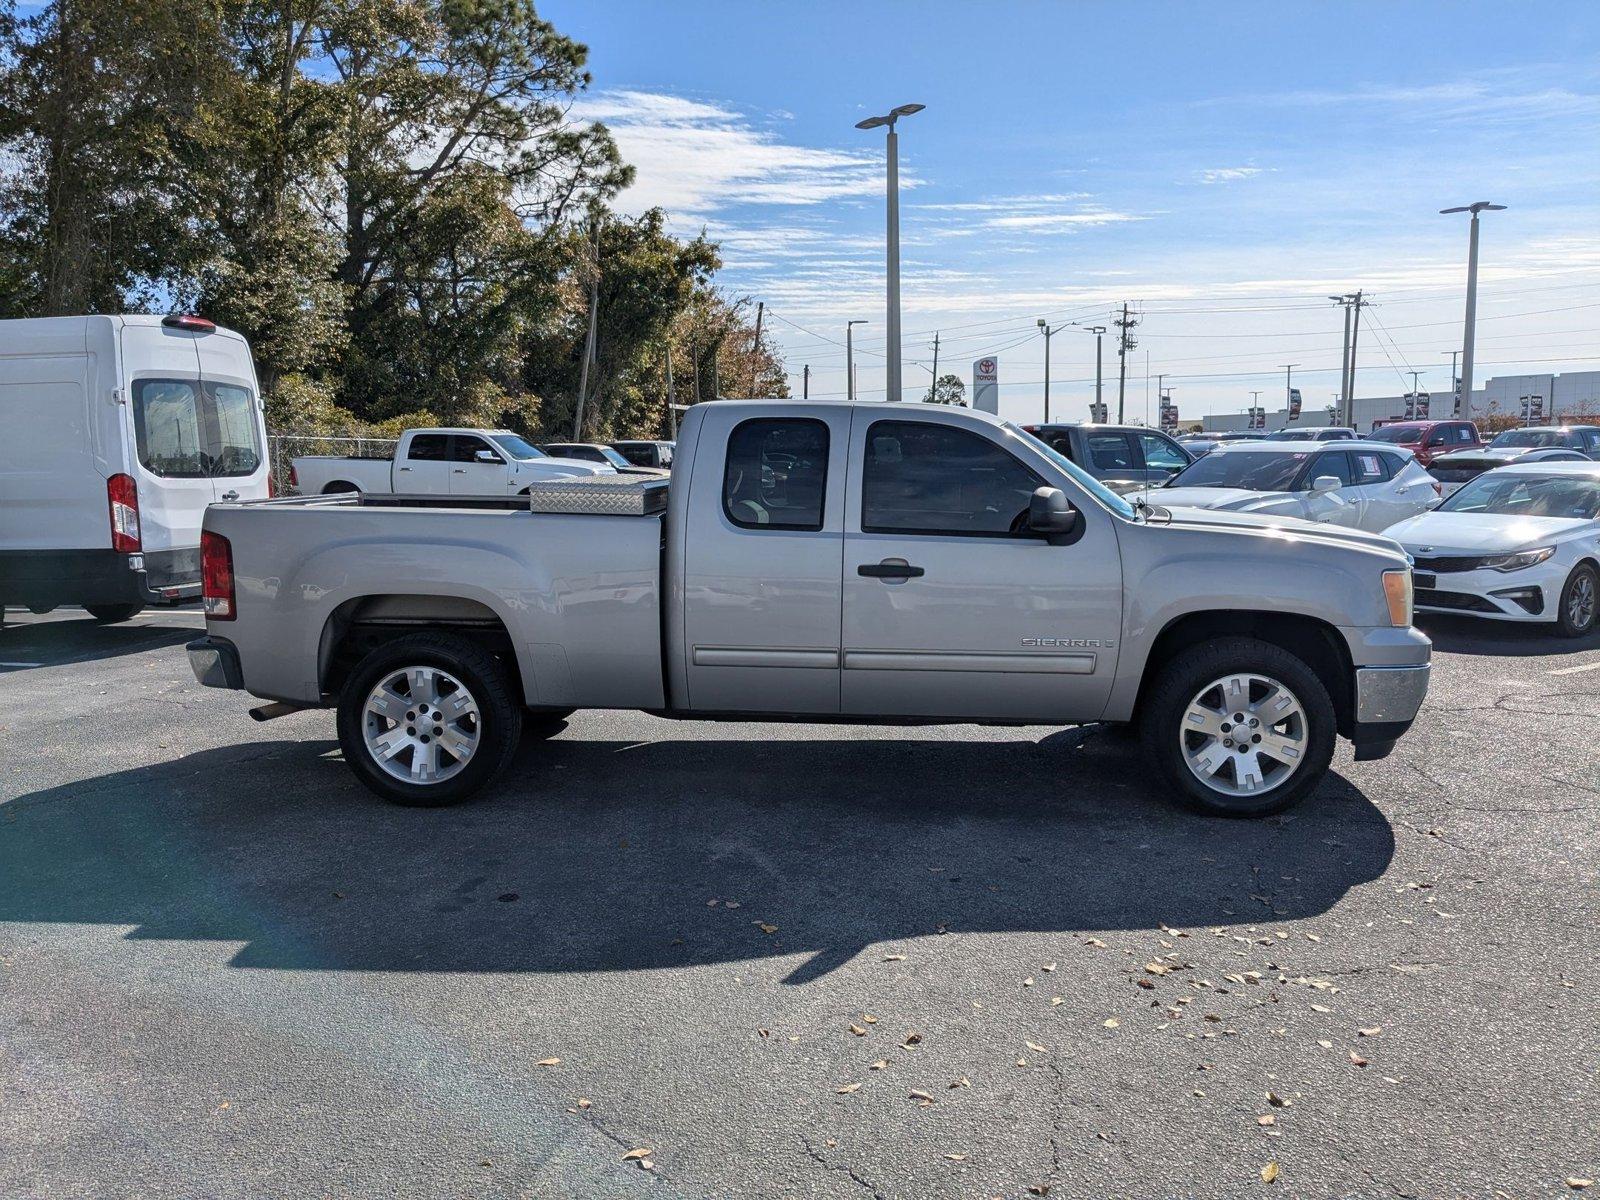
(1249, 470)
(1524, 438)
(186, 429)
(1078, 475)
(515, 447)
(1404, 435)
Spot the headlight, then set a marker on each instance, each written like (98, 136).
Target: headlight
(1397, 591)
(1515, 562)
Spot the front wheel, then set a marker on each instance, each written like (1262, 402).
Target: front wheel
(1241, 727)
(428, 719)
(110, 614)
(1576, 616)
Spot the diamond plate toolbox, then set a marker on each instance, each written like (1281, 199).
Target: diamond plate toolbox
(601, 496)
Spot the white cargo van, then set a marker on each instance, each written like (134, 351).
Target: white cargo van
(115, 433)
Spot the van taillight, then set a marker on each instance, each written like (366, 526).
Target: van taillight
(216, 576)
(272, 488)
(294, 476)
(122, 494)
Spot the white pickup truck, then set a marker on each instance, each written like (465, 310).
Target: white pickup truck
(890, 563)
(441, 462)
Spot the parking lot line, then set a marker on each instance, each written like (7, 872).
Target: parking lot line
(1594, 666)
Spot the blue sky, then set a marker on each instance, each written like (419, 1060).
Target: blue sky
(1223, 166)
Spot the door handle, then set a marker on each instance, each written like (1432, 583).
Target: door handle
(889, 569)
(405, 468)
(459, 471)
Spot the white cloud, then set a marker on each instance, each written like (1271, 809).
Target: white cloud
(1228, 174)
(695, 158)
(1058, 222)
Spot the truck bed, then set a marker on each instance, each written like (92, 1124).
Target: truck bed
(579, 593)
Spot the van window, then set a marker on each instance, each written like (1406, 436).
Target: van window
(776, 474)
(188, 430)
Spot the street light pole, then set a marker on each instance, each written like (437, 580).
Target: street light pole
(1470, 323)
(1455, 383)
(850, 356)
(892, 249)
(1048, 333)
(1288, 389)
(1099, 332)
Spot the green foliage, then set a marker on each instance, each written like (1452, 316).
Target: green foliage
(385, 196)
(948, 390)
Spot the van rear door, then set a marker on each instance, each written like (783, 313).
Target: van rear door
(171, 437)
(238, 458)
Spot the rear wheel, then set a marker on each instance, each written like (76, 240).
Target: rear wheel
(428, 719)
(1580, 601)
(110, 614)
(1241, 727)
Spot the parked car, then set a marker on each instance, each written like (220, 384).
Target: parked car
(1311, 433)
(1429, 439)
(1360, 484)
(645, 453)
(594, 452)
(871, 562)
(1540, 443)
(440, 462)
(1125, 458)
(117, 432)
(1200, 445)
(1519, 543)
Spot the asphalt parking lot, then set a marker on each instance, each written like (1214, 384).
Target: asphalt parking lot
(788, 960)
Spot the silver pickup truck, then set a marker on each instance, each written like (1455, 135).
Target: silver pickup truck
(898, 564)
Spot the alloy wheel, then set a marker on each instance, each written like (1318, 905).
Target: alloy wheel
(421, 725)
(1244, 734)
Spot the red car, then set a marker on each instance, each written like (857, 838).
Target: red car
(1428, 439)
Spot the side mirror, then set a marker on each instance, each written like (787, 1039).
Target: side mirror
(486, 456)
(1325, 483)
(1050, 516)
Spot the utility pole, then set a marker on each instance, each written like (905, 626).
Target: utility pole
(1469, 329)
(1099, 333)
(755, 347)
(1255, 403)
(588, 345)
(1344, 357)
(672, 412)
(933, 390)
(805, 383)
(1455, 383)
(1047, 335)
(1125, 342)
(850, 356)
(1355, 338)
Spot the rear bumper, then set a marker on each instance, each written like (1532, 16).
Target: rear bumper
(45, 579)
(215, 663)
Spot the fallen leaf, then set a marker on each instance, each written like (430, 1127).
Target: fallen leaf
(858, 1031)
(1056, 1000)
(869, 1019)
(1267, 1119)
(961, 1083)
(1373, 1032)
(585, 1102)
(1028, 982)
(1039, 1189)
(1095, 942)
(1022, 1062)
(894, 958)
(549, 1062)
(1357, 1059)
(1146, 983)
(730, 904)
(879, 1065)
(765, 928)
(920, 1097)
(641, 1152)
(1322, 1008)
(912, 1039)
(1155, 968)
(1324, 1044)
(1111, 1023)
(1577, 1184)
(956, 1157)
(1269, 1172)
(847, 1089)
(1278, 1101)
(1036, 1048)
(1048, 967)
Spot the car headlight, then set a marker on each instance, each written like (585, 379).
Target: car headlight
(1515, 562)
(1397, 591)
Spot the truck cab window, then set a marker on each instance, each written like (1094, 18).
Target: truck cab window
(776, 474)
(921, 477)
(465, 449)
(429, 447)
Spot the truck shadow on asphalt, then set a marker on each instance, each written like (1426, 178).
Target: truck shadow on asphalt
(57, 643)
(606, 855)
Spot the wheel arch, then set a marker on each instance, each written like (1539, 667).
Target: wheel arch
(357, 626)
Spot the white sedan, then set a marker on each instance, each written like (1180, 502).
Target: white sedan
(1364, 485)
(1518, 543)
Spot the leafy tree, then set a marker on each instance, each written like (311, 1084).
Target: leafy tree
(948, 390)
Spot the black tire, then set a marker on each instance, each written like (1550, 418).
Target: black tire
(1579, 623)
(545, 722)
(110, 614)
(1181, 682)
(498, 724)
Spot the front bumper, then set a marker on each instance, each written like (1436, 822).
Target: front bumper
(215, 662)
(1529, 595)
(1387, 702)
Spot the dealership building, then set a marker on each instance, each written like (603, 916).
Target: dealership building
(1569, 395)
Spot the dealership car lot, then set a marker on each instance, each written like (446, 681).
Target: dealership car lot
(227, 970)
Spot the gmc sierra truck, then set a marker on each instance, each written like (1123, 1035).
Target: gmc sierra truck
(886, 563)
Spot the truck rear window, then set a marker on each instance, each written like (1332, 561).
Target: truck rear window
(186, 429)
(776, 474)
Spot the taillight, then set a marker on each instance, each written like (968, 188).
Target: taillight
(216, 576)
(122, 495)
(294, 476)
(272, 488)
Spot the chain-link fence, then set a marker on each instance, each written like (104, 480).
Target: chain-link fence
(283, 448)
